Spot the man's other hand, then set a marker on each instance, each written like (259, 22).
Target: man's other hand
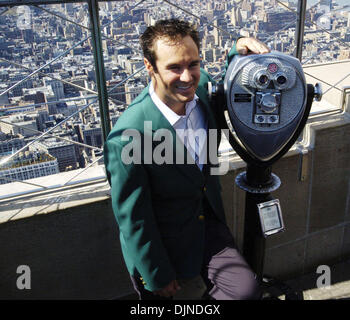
(244, 45)
(169, 290)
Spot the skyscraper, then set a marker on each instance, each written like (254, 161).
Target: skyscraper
(216, 33)
(236, 17)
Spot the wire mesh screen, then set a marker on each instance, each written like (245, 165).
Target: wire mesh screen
(50, 112)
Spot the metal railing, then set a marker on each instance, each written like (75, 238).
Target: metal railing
(102, 93)
(103, 96)
(345, 99)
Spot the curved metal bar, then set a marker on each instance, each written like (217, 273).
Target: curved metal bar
(49, 76)
(54, 136)
(122, 43)
(52, 102)
(310, 75)
(23, 181)
(2, 12)
(126, 79)
(79, 173)
(45, 133)
(334, 86)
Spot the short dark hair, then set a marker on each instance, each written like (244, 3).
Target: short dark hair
(173, 29)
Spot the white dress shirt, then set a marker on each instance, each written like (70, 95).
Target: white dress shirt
(191, 128)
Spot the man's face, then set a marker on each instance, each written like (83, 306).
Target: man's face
(178, 71)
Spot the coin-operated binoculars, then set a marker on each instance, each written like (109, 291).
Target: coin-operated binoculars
(267, 103)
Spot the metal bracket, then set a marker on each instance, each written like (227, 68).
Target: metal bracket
(303, 165)
(241, 181)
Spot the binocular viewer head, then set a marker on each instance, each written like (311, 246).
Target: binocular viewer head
(267, 102)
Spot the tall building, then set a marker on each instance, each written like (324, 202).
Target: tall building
(4, 99)
(92, 135)
(10, 143)
(57, 87)
(236, 17)
(132, 90)
(208, 40)
(216, 33)
(28, 35)
(132, 64)
(63, 151)
(28, 165)
(14, 78)
(247, 6)
(344, 54)
(110, 5)
(276, 20)
(118, 92)
(43, 116)
(324, 22)
(208, 55)
(19, 124)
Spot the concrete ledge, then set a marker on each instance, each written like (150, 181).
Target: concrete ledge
(338, 287)
(73, 253)
(69, 238)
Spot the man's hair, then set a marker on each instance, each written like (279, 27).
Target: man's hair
(173, 30)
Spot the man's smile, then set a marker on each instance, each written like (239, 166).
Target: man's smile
(184, 88)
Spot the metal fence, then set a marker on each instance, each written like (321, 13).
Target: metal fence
(102, 25)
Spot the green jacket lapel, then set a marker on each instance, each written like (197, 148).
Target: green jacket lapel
(153, 114)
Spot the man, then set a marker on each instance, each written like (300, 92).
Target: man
(170, 215)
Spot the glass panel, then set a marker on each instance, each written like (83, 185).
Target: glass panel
(48, 80)
(48, 94)
(327, 50)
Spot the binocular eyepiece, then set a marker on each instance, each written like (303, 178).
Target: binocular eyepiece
(267, 103)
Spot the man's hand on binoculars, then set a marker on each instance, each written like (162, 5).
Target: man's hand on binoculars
(247, 45)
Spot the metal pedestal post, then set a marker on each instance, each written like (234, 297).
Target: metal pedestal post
(258, 182)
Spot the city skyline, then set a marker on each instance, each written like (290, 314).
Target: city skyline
(69, 84)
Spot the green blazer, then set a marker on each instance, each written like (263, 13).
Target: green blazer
(158, 207)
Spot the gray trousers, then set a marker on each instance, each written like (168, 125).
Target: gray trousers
(224, 271)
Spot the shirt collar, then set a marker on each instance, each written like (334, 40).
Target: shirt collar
(169, 114)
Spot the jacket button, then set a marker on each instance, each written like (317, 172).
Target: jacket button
(201, 217)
